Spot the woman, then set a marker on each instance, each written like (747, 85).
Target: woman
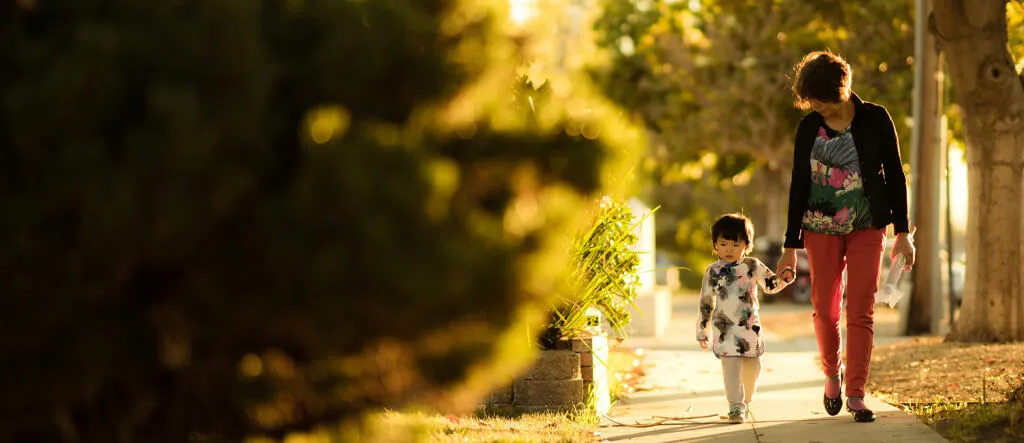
(848, 186)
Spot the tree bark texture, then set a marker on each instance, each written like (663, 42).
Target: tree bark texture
(973, 35)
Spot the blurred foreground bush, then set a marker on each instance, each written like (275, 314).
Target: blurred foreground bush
(232, 218)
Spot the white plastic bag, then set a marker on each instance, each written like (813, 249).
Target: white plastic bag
(890, 293)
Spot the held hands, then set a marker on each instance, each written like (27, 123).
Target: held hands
(787, 263)
(787, 275)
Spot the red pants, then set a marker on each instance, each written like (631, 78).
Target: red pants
(860, 253)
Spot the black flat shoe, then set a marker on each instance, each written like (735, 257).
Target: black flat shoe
(834, 405)
(862, 415)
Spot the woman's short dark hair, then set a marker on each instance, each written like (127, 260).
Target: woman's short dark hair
(735, 227)
(822, 76)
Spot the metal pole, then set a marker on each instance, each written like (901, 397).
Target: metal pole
(920, 28)
(950, 250)
(940, 162)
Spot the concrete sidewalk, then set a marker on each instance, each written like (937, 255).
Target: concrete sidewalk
(686, 381)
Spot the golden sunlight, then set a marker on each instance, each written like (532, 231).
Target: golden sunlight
(958, 187)
(521, 10)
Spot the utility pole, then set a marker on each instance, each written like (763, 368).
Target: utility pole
(943, 237)
(925, 311)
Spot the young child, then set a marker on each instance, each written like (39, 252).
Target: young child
(728, 303)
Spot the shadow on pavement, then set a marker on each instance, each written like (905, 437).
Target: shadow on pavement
(890, 427)
(717, 393)
(691, 432)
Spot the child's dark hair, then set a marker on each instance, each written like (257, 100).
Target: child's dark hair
(822, 76)
(735, 227)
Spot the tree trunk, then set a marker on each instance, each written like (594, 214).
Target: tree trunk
(926, 173)
(775, 204)
(973, 36)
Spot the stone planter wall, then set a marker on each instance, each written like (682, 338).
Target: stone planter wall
(593, 354)
(560, 380)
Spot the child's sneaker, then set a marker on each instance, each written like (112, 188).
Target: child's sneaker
(736, 415)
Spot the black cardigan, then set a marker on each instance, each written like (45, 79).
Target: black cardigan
(885, 185)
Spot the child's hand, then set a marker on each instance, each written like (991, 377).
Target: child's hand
(703, 343)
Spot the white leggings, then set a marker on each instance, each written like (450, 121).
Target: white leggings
(740, 374)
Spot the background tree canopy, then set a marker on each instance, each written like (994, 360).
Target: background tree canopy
(711, 80)
(240, 218)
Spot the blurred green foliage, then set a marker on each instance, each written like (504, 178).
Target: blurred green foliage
(233, 218)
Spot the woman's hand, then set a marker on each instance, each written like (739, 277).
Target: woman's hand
(787, 261)
(905, 245)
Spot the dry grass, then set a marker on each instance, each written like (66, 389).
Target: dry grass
(413, 427)
(926, 370)
(973, 422)
(420, 427)
(960, 389)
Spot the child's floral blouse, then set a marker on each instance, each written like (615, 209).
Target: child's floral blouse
(728, 306)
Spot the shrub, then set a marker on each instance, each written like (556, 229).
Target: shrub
(604, 275)
(234, 218)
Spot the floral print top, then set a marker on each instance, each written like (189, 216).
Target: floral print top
(837, 204)
(728, 305)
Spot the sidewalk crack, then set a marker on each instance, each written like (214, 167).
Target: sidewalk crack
(753, 427)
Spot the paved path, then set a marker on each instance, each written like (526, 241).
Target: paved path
(686, 381)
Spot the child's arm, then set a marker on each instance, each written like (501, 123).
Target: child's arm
(771, 282)
(707, 306)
